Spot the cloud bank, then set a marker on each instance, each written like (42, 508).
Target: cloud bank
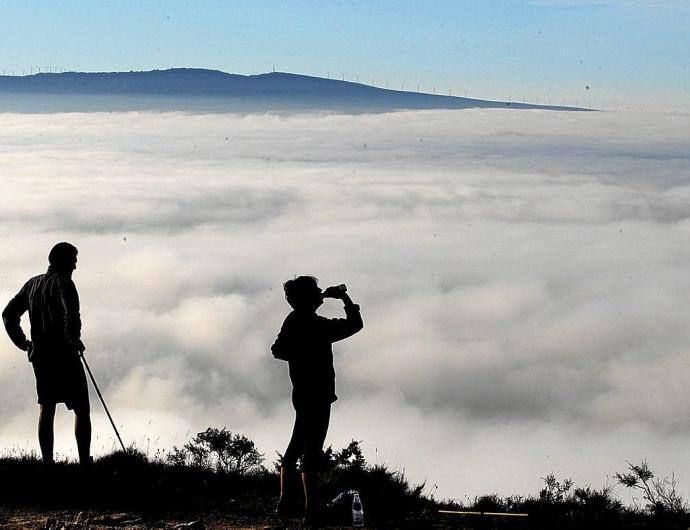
(523, 279)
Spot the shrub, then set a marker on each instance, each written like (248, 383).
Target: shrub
(661, 494)
(219, 449)
(554, 491)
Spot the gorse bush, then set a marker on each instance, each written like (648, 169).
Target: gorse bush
(555, 491)
(660, 494)
(348, 458)
(496, 503)
(221, 450)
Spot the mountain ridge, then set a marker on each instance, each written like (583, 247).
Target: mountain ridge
(199, 89)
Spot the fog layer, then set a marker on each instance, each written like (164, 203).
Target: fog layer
(523, 277)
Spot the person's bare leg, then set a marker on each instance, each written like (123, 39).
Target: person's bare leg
(309, 481)
(46, 437)
(288, 475)
(286, 483)
(82, 432)
(313, 453)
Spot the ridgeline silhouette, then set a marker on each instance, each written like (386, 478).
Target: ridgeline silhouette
(195, 89)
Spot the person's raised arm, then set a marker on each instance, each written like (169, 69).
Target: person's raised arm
(341, 328)
(11, 317)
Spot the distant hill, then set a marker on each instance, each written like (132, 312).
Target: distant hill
(193, 89)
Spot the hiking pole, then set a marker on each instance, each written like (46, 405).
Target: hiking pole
(98, 391)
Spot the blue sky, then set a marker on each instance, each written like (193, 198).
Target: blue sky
(628, 52)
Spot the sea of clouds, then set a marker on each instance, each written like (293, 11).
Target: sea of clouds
(523, 276)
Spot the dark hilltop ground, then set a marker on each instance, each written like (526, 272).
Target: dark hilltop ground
(219, 480)
(200, 90)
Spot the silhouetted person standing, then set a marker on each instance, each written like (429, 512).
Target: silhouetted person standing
(305, 341)
(53, 305)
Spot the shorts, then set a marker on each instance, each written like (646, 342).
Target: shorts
(62, 381)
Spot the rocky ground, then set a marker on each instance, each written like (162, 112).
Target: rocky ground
(27, 519)
(16, 519)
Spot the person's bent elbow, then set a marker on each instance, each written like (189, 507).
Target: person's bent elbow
(9, 319)
(7, 316)
(279, 353)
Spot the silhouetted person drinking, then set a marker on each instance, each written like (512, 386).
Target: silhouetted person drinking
(53, 305)
(305, 341)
